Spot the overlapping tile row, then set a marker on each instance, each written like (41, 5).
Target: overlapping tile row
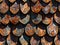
(29, 22)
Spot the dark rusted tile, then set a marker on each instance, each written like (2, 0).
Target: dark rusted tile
(46, 9)
(23, 41)
(4, 7)
(18, 32)
(14, 20)
(37, 20)
(5, 31)
(29, 30)
(25, 20)
(37, 7)
(56, 40)
(46, 20)
(56, 18)
(14, 8)
(45, 42)
(52, 29)
(34, 41)
(9, 41)
(40, 32)
(24, 8)
(6, 19)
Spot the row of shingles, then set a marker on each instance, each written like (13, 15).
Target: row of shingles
(27, 38)
(2, 38)
(20, 25)
(15, 38)
(55, 3)
(34, 15)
